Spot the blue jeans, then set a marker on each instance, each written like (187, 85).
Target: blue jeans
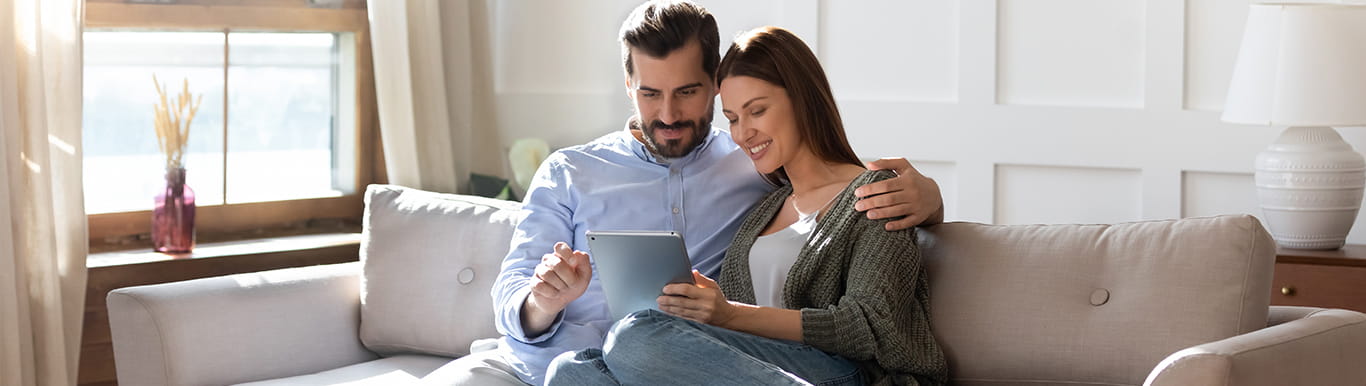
(651, 347)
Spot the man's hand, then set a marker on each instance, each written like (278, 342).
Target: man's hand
(561, 278)
(910, 194)
(702, 302)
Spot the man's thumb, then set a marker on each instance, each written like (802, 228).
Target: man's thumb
(583, 265)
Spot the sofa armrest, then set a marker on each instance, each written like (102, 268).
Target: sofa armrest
(1323, 347)
(238, 328)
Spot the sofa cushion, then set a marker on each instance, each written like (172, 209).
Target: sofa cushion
(1091, 304)
(391, 371)
(430, 260)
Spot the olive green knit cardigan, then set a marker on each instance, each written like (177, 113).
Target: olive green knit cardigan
(862, 290)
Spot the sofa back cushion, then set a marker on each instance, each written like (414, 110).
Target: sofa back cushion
(1091, 304)
(430, 260)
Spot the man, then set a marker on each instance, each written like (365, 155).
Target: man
(668, 169)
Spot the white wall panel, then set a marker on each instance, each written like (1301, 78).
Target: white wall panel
(1214, 29)
(558, 47)
(1209, 193)
(1028, 194)
(946, 175)
(891, 49)
(1071, 52)
(560, 119)
(734, 17)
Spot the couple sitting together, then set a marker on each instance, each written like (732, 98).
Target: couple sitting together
(818, 279)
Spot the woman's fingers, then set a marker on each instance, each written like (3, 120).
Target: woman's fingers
(703, 280)
(686, 312)
(681, 289)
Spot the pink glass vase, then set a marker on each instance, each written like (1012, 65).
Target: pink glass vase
(173, 216)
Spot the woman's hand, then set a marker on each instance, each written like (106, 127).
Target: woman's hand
(702, 302)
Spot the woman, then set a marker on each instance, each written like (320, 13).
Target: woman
(811, 291)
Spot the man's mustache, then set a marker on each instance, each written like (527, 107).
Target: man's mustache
(657, 125)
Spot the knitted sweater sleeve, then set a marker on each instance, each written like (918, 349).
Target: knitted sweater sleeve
(881, 317)
(867, 322)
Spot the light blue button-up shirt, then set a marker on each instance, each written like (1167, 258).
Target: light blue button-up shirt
(615, 183)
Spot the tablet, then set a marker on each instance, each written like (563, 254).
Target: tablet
(635, 266)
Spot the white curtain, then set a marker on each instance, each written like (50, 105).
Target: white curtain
(431, 85)
(42, 215)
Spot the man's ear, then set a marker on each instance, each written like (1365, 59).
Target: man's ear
(630, 91)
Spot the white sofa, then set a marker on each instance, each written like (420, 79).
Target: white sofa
(1180, 302)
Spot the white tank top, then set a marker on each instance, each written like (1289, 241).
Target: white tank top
(772, 256)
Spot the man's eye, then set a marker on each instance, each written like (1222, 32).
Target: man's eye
(649, 94)
(687, 92)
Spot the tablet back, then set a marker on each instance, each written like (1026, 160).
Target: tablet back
(635, 266)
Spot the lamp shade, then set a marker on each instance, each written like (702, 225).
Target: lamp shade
(1300, 65)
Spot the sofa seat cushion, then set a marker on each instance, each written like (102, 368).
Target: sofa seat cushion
(395, 370)
(430, 260)
(1091, 304)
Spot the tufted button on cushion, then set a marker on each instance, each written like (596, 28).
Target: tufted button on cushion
(466, 276)
(1100, 296)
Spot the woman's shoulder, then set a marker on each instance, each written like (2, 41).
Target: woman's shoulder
(871, 176)
(847, 196)
(852, 217)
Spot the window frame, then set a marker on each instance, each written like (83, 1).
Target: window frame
(125, 230)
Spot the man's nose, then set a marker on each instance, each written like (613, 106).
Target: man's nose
(669, 114)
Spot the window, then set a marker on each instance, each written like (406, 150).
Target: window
(284, 131)
(283, 140)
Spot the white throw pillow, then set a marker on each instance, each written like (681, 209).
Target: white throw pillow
(430, 260)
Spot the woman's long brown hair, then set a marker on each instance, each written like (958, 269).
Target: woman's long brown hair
(778, 56)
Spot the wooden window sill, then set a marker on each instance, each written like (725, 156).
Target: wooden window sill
(251, 247)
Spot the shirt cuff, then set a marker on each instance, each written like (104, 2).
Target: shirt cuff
(516, 330)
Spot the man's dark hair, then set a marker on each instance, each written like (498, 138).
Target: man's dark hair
(660, 27)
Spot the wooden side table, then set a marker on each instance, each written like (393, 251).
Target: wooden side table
(1329, 279)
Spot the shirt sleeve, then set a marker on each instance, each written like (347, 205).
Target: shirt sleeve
(547, 218)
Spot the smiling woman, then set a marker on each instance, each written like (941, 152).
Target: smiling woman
(286, 131)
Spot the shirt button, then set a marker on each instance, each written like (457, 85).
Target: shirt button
(675, 210)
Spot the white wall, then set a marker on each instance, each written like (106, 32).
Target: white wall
(1025, 111)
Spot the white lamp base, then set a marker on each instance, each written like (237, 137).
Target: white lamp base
(1310, 183)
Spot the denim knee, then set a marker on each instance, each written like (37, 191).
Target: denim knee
(584, 367)
(642, 340)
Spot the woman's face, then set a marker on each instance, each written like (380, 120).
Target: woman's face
(762, 121)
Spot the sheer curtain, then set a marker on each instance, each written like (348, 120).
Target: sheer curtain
(433, 89)
(42, 216)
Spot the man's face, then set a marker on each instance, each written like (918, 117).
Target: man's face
(673, 98)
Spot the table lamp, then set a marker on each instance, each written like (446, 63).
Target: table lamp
(1304, 66)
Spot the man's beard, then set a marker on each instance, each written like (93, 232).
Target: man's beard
(675, 148)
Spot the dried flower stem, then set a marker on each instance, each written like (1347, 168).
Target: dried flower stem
(172, 122)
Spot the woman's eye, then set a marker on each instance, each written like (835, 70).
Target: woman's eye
(758, 112)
